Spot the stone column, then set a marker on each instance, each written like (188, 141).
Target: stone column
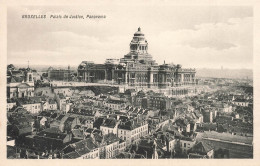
(151, 77)
(105, 80)
(113, 75)
(126, 77)
(182, 78)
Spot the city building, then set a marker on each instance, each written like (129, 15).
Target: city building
(20, 83)
(109, 126)
(241, 102)
(132, 130)
(84, 149)
(137, 69)
(159, 101)
(186, 143)
(201, 150)
(10, 104)
(32, 105)
(60, 74)
(114, 104)
(49, 105)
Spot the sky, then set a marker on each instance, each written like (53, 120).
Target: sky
(194, 36)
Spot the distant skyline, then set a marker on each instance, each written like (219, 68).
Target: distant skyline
(194, 36)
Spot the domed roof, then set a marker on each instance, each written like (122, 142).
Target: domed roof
(139, 32)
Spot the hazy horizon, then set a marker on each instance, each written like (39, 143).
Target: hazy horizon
(23, 65)
(200, 72)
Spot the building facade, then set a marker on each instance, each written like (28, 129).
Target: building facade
(132, 131)
(20, 83)
(60, 74)
(137, 69)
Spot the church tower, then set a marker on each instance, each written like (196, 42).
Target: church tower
(29, 75)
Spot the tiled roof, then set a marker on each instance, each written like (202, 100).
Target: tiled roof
(131, 124)
(111, 138)
(202, 148)
(77, 133)
(23, 129)
(71, 155)
(53, 133)
(60, 117)
(111, 123)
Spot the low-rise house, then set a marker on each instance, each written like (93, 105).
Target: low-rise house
(112, 143)
(21, 130)
(140, 100)
(98, 122)
(43, 120)
(132, 130)
(44, 91)
(32, 105)
(148, 148)
(222, 107)
(85, 111)
(70, 123)
(127, 155)
(207, 116)
(56, 123)
(159, 101)
(64, 91)
(109, 126)
(114, 104)
(207, 127)
(183, 125)
(241, 102)
(85, 149)
(11, 103)
(121, 146)
(87, 93)
(88, 122)
(201, 150)
(49, 105)
(77, 134)
(108, 145)
(61, 100)
(46, 141)
(186, 143)
(166, 141)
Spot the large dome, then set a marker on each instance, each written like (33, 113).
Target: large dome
(139, 32)
(139, 37)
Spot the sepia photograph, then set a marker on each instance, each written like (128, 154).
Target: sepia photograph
(129, 82)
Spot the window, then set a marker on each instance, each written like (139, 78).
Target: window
(184, 145)
(30, 77)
